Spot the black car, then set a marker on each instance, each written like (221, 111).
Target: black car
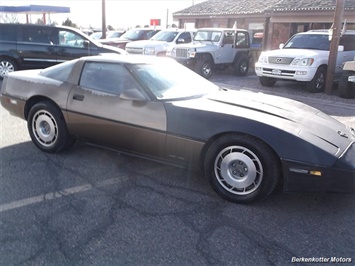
(24, 46)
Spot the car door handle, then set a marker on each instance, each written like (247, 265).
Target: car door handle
(78, 97)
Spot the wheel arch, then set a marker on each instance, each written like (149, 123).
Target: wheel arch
(239, 54)
(205, 55)
(34, 100)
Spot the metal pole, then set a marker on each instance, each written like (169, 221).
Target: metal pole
(333, 50)
(103, 20)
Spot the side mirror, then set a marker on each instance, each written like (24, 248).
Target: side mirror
(86, 43)
(180, 40)
(341, 48)
(133, 95)
(281, 45)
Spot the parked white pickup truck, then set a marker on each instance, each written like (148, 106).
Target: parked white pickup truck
(161, 42)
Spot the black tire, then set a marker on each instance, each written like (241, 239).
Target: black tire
(267, 82)
(7, 65)
(204, 67)
(241, 66)
(317, 84)
(241, 168)
(47, 128)
(346, 89)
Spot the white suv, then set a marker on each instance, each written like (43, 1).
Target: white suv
(304, 58)
(161, 42)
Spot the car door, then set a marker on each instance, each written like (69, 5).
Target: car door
(98, 114)
(36, 46)
(225, 51)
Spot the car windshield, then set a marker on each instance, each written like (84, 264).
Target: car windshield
(131, 34)
(208, 36)
(309, 41)
(165, 36)
(172, 81)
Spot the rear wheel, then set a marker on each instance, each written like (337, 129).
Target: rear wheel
(7, 65)
(346, 89)
(241, 168)
(241, 66)
(267, 82)
(47, 128)
(317, 84)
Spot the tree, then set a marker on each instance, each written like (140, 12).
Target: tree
(9, 18)
(69, 23)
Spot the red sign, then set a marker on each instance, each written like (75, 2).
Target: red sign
(155, 22)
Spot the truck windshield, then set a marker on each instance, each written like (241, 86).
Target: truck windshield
(208, 36)
(309, 41)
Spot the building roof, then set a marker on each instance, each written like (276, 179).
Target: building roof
(245, 7)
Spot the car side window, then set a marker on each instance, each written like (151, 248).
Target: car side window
(228, 37)
(186, 36)
(69, 38)
(348, 41)
(107, 77)
(8, 34)
(242, 40)
(38, 35)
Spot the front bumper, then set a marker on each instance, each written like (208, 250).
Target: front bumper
(285, 72)
(339, 178)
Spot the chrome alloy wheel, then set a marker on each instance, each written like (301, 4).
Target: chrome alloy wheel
(45, 128)
(6, 67)
(206, 69)
(238, 170)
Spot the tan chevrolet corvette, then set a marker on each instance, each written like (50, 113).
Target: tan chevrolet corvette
(156, 108)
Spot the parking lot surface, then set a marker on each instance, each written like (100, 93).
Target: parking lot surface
(89, 206)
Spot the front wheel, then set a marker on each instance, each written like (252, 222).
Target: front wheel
(47, 128)
(204, 67)
(346, 88)
(241, 168)
(317, 84)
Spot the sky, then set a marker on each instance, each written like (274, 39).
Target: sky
(119, 13)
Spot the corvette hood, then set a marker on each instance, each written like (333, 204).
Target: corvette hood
(270, 117)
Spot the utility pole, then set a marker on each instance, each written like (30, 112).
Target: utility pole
(333, 51)
(103, 20)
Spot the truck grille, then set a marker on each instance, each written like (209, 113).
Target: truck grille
(132, 50)
(280, 60)
(181, 53)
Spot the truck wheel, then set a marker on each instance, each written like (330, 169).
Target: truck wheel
(7, 65)
(346, 88)
(267, 82)
(241, 66)
(204, 67)
(318, 82)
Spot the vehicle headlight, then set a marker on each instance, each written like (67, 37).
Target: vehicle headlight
(263, 59)
(149, 51)
(302, 62)
(191, 52)
(172, 52)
